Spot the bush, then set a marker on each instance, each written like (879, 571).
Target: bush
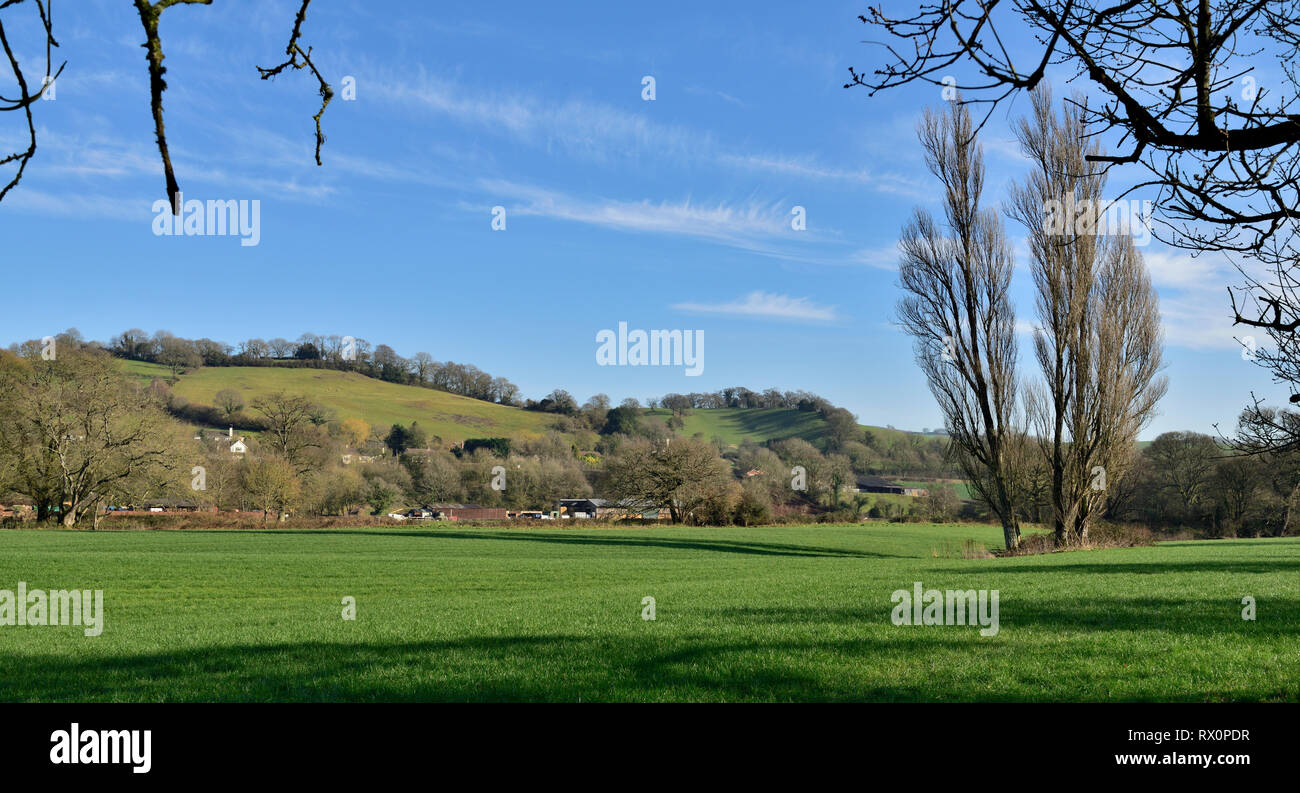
(1101, 535)
(754, 508)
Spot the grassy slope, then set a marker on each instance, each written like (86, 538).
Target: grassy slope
(451, 417)
(455, 418)
(793, 613)
(735, 425)
(145, 370)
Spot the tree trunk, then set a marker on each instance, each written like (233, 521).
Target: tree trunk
(1290, 507)
(1010, 533)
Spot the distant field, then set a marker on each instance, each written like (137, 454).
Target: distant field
(791, 613)
(452, 418)
(734, 426)
(962, 489)
(145, 370)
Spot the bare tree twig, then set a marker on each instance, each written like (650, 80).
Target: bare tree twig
(150, 14)
(25, 98)
(298, 59)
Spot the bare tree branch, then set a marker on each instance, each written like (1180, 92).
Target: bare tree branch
(295, 52)
(23, 101)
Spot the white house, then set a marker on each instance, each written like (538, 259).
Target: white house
(238, 446)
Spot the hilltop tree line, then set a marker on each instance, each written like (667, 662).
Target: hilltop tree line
(311, 350)
(913, 455)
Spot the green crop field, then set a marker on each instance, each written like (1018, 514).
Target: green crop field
(791, 613)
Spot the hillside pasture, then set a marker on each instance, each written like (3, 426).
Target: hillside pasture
(350, 395)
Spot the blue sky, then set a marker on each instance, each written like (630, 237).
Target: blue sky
(666, 214)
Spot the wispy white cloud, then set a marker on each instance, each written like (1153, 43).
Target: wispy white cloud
(804, 167)
(882, 257)
(578, 126)
(80, 206)
(1180, 270)
(763, 228)
(1025, 327)
(1193, 298)
(765, 305)
(605, 132)
(699, 90)
(729, 223)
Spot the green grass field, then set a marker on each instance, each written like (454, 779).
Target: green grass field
(792, 613)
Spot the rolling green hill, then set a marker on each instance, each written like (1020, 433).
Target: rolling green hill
(350, 395)
(455, 418)
(737, 425)
(734, 426)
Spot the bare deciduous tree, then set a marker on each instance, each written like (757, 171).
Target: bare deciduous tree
(678, 474)
(1186, 96)
(78, 429)
(958, 311)
(290, 430)
(1098, 343)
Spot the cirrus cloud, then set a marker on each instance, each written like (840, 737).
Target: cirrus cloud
(765, 305)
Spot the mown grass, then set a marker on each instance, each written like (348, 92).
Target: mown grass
(789, 613)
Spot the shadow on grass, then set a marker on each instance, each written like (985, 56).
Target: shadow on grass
(1185, 616)
(613, 541)
(571, 668)
(1260, 566)
(774, 424)
(507, 668)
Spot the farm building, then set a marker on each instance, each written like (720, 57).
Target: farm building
(168, 505)
(604, 508)
(876, 484)
(466, 512)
